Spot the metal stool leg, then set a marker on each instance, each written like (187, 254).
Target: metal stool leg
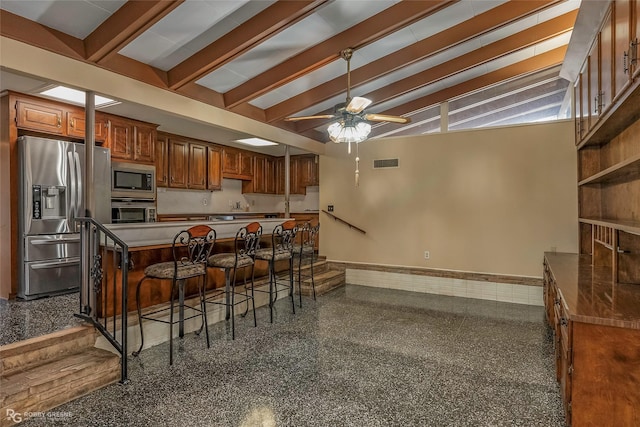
(292, 288)
(253, 299)
(233, 304)
(313, 281)
(203, 307)
(137, 352)
(173, 291)
(271, 290)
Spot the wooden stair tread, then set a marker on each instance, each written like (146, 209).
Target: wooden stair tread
(319, 277)
(58, 371)
(43, 341)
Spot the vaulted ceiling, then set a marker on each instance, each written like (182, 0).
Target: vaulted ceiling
(268, 60)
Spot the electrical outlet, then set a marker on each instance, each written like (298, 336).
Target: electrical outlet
(330, 208)
(427, 255)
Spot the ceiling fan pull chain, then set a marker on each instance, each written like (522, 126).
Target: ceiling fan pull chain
(357, 166)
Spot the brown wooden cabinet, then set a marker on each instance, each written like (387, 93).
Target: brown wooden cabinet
(41, 116)
(622, 35)
(144, 143)
(178, 163)
(214, 167)
(120, 139)
(237, 164)
(76, 125)
(264, 176)
(162, 160)
(605, 91)
(270, 175)
(197, 167)
(635, 38)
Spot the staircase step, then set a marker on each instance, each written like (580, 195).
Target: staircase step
(319, 266)
(23, 355)
(61, 380)
(325, 282)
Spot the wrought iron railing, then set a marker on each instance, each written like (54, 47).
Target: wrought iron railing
(101, 303)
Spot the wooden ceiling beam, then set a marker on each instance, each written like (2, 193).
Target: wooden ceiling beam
(256, 30)
(24, 30)
(536, 63)
(124, 25)
(476, 26)
(493, 51)
(359, 35)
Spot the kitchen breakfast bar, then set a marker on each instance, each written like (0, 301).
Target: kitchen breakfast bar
(151, 243)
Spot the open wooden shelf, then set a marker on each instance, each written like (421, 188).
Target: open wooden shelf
(618, 172)
(628, 226)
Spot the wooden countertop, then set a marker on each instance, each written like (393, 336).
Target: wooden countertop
(590, 295)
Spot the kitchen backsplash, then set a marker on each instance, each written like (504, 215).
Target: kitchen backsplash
(171, 201)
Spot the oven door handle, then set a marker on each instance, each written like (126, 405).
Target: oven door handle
(54, 241)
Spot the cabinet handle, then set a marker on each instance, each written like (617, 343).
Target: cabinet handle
(59, 121)
(172, 180)
(72, 124)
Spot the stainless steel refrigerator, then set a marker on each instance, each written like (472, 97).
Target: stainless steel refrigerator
(51, 197)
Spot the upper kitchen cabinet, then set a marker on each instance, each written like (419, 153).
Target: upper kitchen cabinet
(633, 45)
(131, 140)
(594, 82)
(214, 167)
(76, 125)
(263, 180)
(604, 96)
(622, 36)
(308, 170)
(237, 164)
(178, 163)
(197, 167)
(41, 116)
(162, 158)
(144, 142)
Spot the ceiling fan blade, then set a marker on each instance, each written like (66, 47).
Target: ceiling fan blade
(386, 118)
(321, 116)
(357, 104)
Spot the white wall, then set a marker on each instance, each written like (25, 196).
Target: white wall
(488, 201)
(172, 201)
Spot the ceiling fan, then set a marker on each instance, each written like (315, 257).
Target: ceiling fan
(351, 115)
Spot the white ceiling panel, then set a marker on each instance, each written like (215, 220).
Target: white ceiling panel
(387, 45)
(221, 80)
(341, 14)
(74, 17)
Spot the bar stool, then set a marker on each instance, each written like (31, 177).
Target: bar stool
(190, 249)
(246, 242)
(281, 248)
(306, 249)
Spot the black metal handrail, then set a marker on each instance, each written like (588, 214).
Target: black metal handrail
(99, 245)
(345, 222)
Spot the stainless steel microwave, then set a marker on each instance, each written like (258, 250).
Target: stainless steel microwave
(132, 180)
(128, 211)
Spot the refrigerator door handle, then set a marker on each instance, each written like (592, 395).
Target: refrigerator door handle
(78, 184)
(72, 183)
(55, 264)
(54, 241)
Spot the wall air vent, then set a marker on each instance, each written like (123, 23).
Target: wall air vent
(385, 163)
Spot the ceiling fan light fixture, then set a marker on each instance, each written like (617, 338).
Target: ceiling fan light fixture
(342, 131)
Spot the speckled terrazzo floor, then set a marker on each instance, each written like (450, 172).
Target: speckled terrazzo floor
(20, 320)
(359, 356)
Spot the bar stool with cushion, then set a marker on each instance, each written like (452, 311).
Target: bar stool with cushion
(246, 242)
(281, 248)
(190, 250)
(306, 250)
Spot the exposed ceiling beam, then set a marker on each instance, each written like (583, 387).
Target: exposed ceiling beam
(24, 30)
(476, 26)
(367, 31)
(124, 25)
(513, 43)
(256, 30)
(537, 63)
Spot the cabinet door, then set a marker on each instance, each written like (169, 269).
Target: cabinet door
(270, 176)
(214, 168)
(121, 139)
(162, 166)
(76, 125)
(594, 82)
(197, 167)
(636, 37)
(178, 163)
(622, 35)
(144, 143)
(605, 95)
(584, 96)
(42, 117)
(577, 107)
(231, 161)
(296, 186)
(246, 164)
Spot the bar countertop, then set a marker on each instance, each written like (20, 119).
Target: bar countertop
(590, 294)
(137, 235)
